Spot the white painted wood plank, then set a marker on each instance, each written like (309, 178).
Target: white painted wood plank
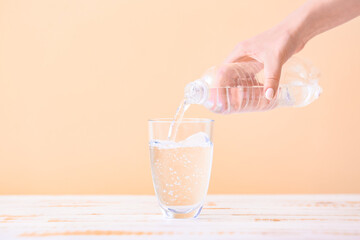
(138, 217)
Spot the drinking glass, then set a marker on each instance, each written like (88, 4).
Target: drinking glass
(181, 169)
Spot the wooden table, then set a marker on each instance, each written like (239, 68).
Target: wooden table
(138, 217)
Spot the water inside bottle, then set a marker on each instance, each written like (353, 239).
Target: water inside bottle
(239, 99)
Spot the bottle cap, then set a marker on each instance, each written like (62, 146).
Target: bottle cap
(196, 92)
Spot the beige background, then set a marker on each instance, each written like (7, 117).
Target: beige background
(79, 79)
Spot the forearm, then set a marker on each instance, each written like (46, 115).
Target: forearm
(317, 16)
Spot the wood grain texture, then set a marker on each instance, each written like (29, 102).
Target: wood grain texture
(139, 217)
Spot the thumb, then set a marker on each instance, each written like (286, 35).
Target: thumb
(272, 72)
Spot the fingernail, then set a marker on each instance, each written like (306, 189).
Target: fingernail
(269, 94)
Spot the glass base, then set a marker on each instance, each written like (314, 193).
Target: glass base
(175, 212)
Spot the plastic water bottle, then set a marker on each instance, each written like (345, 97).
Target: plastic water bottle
(238, 87)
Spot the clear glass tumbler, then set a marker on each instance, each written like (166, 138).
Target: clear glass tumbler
(181, 169)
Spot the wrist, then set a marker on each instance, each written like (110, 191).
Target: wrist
(298, 27)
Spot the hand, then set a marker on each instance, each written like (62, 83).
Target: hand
(235, 88)
(275, 46)
(271, 48)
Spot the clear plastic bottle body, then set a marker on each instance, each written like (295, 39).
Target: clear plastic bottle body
(238, 87)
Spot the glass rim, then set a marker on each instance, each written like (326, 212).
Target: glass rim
(184, 120)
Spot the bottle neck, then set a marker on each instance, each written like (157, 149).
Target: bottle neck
(196, 92)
